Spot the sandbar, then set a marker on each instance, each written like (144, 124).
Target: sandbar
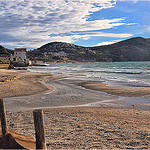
(124, 91)
(20, 83)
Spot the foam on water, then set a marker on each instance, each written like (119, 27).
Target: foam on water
(136, 72)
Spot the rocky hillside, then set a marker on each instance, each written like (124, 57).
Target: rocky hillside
(4, 51)
(134, 49)
(59, 50)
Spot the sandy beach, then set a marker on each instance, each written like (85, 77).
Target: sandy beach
(100, 127)
(20, 83)
(88, 128)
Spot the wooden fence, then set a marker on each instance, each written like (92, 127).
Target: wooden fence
(39, 130)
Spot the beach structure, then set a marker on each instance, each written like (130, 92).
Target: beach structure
(13, 140)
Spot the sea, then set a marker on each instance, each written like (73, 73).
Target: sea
(114, 73)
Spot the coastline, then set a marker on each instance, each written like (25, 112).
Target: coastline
(79, 127)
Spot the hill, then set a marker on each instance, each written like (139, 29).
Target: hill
(5, 51)
(134, 49)
(60, 50)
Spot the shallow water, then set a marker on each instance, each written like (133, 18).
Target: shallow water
(136, 102)
(67, 93)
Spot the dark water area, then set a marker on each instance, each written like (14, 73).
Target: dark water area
(128, 84)
(134, 102)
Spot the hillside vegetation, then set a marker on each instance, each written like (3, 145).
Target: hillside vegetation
(3, 54)
(5, 51)
(134, 49)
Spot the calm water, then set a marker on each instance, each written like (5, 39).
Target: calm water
(117, 73)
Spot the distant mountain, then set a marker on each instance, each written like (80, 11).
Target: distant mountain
(134, 49)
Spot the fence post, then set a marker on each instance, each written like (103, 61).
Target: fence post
(3, 117)
(39, 129)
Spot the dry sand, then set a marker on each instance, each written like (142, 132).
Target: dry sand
(14, 83)
(4, 66)
(83, 127)
(88, 128)
(120, 91)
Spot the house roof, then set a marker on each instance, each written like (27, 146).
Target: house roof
(20, 50)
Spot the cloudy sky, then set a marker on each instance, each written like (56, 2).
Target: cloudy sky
(33, 23)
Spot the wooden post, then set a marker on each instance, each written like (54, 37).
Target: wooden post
(3, 117)
(39, 129)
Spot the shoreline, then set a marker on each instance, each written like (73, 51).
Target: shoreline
(137, 97)
(24, 83)
(103, 127)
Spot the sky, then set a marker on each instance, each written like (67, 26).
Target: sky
(33, 23)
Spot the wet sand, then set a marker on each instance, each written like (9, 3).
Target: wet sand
(66, 93)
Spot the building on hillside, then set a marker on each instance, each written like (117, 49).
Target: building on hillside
(19, 59)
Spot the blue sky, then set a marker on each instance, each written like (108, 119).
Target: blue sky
(33, 23)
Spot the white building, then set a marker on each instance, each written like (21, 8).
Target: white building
(20, 53)
(19, 59)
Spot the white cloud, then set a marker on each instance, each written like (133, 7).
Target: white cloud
(112, 35)
(108, 42)
(148, 28)
(133, 1)
(69, 39)
(32, 21)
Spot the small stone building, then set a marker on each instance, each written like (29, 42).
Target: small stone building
(19, 59)
(20, 53)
